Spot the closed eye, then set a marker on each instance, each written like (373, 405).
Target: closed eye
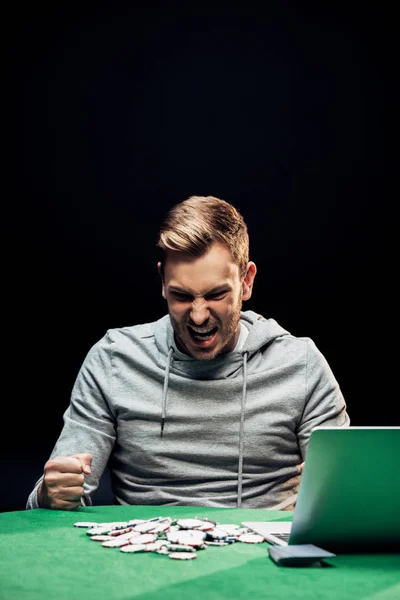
(181, 297)
(216, 295)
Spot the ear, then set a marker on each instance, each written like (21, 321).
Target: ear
(160, 271)
(248, 280)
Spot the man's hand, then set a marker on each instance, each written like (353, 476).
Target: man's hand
(301, 467)
(62, 485)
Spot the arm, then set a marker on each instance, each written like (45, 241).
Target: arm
(324, 402)
(89, 430)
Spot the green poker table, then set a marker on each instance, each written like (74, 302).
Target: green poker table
(44, 557)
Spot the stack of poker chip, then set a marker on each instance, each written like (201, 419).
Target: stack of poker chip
(179, 539)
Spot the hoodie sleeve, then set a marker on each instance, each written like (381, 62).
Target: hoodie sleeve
(324, 402)
(89, 422)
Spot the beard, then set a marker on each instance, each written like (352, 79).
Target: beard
(225, 335)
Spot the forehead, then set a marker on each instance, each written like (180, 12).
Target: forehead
(200, 274)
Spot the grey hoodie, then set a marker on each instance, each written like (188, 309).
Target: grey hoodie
(226, 432)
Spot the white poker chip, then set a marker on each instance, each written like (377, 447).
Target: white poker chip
(144, 538)
(206, 526)
(162, 526)
(217, 534)
(133, 548)
(146, 527)
(189, 523)
(122, 531)
(188, 537)
(101, 538)
(114, 524)
(124, 536)
(219, 543)
(117, 542)
(153, 547)
(232, 529)
(179, 548)
(99, 531)
(88, 524)
(244, 530)
(174, 528)
(173, 536)
(163, 551)
(182, 555)
(251, 538)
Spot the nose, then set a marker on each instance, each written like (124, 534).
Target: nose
(199, 312)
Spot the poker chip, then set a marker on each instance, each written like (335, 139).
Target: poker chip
(174, 528)
(99, 530)
(251, 538)
(163, 550)
(206, 520)
(144, 538)
(232, 529)
(186, 537)
(178, 548)
(150, 524)
(182, 555)
(114, 524)
(153, 547)
(216, 534)
(134, 522)
(189, 523)
(133, 548)
(205, 527)
(221, 543)
(117, 542)
(146, 527)
(162, 526)
(122, 531)
(89, 524)
(119, 525)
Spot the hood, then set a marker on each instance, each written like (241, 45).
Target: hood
(261, 333)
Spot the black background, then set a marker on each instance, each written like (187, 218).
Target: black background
(117, 113)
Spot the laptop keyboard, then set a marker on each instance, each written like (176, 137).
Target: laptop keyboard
(282, 536)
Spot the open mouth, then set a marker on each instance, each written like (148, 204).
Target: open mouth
(202, 335)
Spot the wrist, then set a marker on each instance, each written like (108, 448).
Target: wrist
(42, 496)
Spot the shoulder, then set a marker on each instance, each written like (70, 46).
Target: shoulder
(303, 346)
(140, 331)
(120, 338)
(295, 347)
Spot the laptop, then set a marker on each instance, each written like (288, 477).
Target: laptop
(349, 493)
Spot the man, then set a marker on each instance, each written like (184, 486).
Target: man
(208, 406)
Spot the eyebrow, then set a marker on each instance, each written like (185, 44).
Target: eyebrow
(219, 288)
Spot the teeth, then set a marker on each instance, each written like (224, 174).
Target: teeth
(203, 335)
(202, 332)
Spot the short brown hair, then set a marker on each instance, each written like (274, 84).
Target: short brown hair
(194, 224)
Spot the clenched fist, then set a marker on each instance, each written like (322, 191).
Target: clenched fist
(62, 485)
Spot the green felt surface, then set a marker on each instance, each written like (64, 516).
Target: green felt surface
(43, 556)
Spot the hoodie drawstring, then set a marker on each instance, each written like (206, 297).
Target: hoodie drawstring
(165, 391)
(241, 431)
